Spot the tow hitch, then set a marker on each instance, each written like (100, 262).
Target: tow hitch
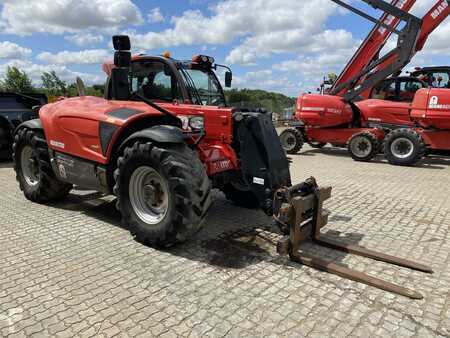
(299, 212)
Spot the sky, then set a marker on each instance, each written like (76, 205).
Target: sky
(285, 46)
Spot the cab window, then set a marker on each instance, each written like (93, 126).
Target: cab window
(386, 90)
(439, 80)
(155, 81)
(408, 88)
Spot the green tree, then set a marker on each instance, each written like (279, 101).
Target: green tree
(53, 85)
(248, 98)
(16, 81)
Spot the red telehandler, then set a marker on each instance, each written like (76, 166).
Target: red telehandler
(159, 140)
(361, 109)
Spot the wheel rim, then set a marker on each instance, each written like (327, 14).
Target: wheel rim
(149, 195)
(288, 141)
(361, 147)
(402, 148)
(30, 167)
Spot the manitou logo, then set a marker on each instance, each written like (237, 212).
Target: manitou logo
(438, 11)
(434, 104)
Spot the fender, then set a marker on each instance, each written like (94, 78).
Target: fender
(31, 124)
(160, 134)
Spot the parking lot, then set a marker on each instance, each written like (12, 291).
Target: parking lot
(71, 269)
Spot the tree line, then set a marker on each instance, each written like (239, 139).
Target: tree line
(16, 80)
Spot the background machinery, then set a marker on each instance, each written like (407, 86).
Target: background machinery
(361, 108)
(15, 108)
(157, 140)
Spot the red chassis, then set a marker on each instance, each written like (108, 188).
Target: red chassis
(77, 121)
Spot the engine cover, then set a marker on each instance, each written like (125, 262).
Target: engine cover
(431, 108)
(323, 110)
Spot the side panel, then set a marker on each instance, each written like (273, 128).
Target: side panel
(74, 126)
(431, 108)
(80, 172)
(338, 136)
(385, 112)
(436, 139)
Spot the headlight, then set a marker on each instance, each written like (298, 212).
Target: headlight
(197, 123)
(192, 123)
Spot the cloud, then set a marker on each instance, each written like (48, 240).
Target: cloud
(93, 56)
(289, 41)
(265, 27)
(155, 16)
(36, 70)
(24, 17)
(11, 50)
(84, 39)
(269, 80)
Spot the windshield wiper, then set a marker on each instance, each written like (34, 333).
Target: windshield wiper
(192, 86)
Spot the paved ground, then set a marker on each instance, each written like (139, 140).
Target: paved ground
(70, 269)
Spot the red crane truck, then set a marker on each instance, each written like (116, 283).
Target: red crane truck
(354, 114)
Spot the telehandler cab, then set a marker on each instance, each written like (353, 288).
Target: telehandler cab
(162, 133)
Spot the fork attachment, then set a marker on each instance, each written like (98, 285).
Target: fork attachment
(299, 212)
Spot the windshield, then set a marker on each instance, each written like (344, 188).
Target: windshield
(203, 87)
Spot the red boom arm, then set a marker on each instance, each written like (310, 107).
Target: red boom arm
(370, 48)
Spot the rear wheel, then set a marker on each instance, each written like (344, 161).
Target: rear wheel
(404, 147)
(240, 194)
(292, 140)
(363, 147)
(163, 192)
(33, 169)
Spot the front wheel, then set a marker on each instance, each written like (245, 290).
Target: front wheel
(363, 147)
(292, 140)
(163, 192)
(404, 147)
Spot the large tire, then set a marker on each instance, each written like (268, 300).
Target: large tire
(292, 140)
(241, 195)
(33, 169)
(180, 192)
(363, 147)
(404, 147)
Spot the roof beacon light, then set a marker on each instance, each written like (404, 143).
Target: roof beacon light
(166, 55)
(203, 59)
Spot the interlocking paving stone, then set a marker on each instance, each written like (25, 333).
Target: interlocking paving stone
(71, 269)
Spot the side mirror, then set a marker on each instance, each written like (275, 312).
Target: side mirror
(122, 59)
(228, 79)
(121, 42)
(120, 84)
(120, 81)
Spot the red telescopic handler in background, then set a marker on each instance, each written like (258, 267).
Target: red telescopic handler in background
(367, 107)
(161, 138)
